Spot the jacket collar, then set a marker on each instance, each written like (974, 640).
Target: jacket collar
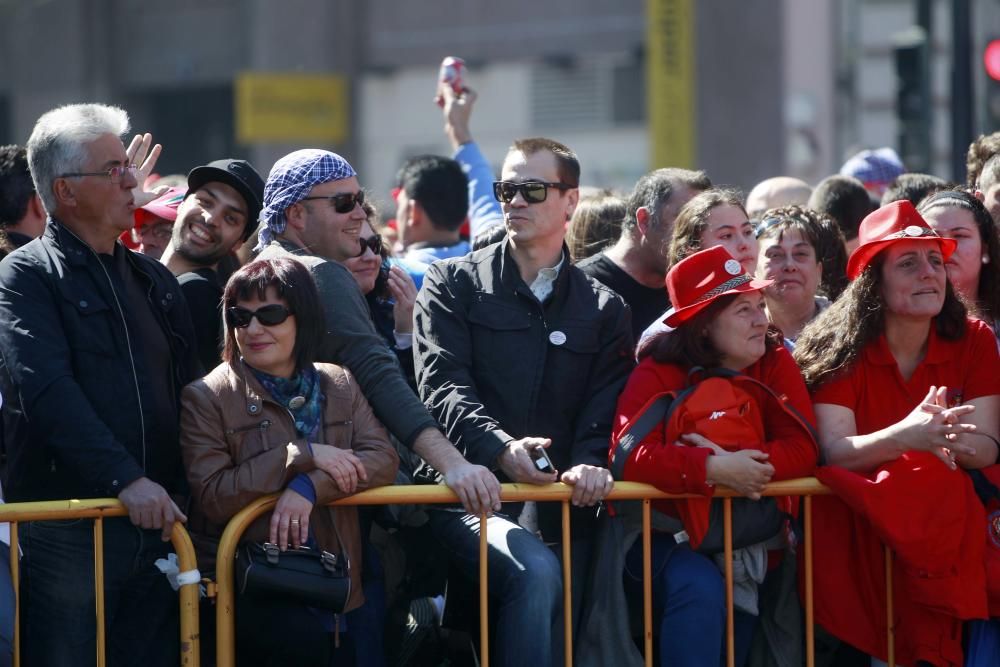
(510, 275)
(77, 252)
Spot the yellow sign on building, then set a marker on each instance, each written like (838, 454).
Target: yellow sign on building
(670, 82)
(291, 108)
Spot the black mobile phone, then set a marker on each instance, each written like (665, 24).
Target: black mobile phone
(542, 460)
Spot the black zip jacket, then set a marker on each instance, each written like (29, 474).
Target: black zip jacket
(494, 364)
(77, 407)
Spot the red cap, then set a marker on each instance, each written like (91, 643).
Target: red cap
(699, 279)
(164, 206)
(898, 221)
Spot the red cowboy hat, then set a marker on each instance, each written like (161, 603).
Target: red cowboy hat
(898, 221)
(699, 279)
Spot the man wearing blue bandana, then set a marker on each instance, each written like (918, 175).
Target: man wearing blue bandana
(312, 210)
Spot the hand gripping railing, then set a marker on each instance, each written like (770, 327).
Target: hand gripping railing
(392, 495)
(99, 509)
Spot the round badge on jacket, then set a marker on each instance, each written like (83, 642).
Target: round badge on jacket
(732, 267)
(557, 338)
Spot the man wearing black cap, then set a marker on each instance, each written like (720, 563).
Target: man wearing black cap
(216, 217)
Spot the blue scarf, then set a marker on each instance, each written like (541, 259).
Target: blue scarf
(304, 384)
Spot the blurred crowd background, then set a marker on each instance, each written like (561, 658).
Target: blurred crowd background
(744, 90)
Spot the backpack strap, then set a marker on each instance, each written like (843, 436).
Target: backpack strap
(654, 412)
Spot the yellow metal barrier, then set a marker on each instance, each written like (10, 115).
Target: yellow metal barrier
(392, 495)
(99, 509)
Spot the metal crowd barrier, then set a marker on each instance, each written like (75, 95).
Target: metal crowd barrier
(224, 590)
(98, 510)
(391, 495)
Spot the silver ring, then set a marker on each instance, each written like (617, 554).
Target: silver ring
(294, 521)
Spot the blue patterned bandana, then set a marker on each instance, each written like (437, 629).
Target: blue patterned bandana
(291, 179)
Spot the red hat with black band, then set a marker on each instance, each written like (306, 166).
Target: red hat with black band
(898, 221)
(699, 279)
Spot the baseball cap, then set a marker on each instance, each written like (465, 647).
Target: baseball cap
(239, 174)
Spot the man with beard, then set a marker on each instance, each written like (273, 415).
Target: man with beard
(216, 217)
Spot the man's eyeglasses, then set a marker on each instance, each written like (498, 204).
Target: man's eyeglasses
(115, 173)
(534, 192)
(344, 203)
(373, 242)
(269, 316)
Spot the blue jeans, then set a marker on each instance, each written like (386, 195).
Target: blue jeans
(58, 611)
(525, 583)
(689, 598)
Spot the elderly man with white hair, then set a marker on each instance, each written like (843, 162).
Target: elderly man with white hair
(96, 345)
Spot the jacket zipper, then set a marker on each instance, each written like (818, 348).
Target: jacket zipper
(131, 358)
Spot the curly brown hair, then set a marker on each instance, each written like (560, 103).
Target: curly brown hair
(834, 340)
(980, 151)
(692, 221)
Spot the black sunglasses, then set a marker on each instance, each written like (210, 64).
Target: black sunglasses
(268, 316)
(373, 242)
(344, 203)
(534, 192)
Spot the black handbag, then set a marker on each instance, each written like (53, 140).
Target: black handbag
(314, 578)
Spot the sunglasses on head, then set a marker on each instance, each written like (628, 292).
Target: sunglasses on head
(374, 242)
(533, 192)
(269, 316)
(344, 203)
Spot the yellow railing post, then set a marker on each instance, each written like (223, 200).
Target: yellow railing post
(15, 578)
(808, 557)
(567, 586)
(99, 509)
(99, 587)
(727, 534)
(484, 599)
(647, 581)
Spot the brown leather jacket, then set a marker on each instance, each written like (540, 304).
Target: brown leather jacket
(238, 445)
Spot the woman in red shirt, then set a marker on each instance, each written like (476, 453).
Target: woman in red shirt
(719, 321)
(904, 388)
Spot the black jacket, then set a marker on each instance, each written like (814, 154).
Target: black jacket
(494, 364)
(77, 407)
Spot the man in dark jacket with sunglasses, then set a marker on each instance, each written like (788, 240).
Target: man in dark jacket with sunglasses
(519, 353)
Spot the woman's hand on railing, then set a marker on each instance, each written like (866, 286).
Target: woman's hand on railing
(290, 520)
(342, 465)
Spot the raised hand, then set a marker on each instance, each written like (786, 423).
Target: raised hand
(143, 154)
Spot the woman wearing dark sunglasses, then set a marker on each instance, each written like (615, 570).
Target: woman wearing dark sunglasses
(390, 292)
(269, 419)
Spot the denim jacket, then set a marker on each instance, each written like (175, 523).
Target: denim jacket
(77, 406)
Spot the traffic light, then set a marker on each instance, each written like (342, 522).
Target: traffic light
(913, 98)
(991, 64)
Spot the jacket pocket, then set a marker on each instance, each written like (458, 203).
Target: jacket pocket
(249, 440)
(502, 344)
(92, 326)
